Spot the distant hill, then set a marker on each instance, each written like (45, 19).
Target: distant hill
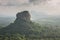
(51, 21)
(4, 21)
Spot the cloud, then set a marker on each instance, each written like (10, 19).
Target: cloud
(13, 2)
(36, 2)
(21, 2)
(45, 6)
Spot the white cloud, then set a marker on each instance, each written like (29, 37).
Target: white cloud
(50, 7)
(13, 2)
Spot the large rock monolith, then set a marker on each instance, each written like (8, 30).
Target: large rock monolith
(21, 25)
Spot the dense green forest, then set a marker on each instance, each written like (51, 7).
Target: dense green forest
(43, 33)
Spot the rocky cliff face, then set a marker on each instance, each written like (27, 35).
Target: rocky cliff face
(23, 16)
(21, 25)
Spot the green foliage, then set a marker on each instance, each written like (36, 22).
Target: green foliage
(29, 31)
(1, 27)
(12, 37)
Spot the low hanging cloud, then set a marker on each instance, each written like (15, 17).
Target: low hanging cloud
(13, 2)
(20, 2)
(29, 2)
(36, 2)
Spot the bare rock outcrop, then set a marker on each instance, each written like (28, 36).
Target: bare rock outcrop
(23, 16)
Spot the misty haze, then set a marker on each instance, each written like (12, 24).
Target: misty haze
(29, 19)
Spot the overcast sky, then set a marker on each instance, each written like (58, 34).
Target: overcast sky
(11, 7)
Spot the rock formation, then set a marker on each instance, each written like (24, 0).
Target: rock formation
(23, 16)
(21, 25)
